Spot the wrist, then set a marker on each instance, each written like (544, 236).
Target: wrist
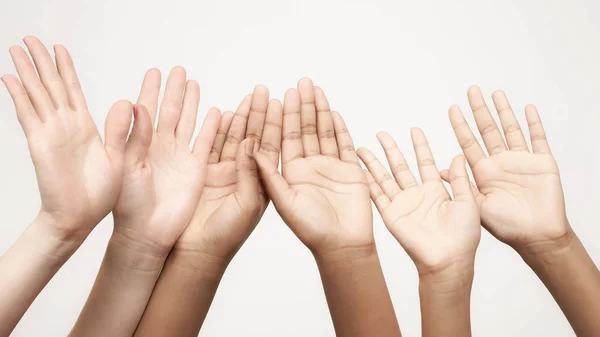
(453, 278)
(547, 247)
(133, 254)
(198, 262)
(347, 256)
(54, 244)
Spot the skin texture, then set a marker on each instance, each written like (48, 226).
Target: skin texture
(439, 233)
(526, 182)
(163, 180)
(229, 209)
(79, 175)
(322, 195)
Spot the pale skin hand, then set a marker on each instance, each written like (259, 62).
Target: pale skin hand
(439, 233)
(230, 207)
(322, 193)
(522, 204)
(435, 230)
(163, 179)
(162, 183)
(518, 191)
(78, 175)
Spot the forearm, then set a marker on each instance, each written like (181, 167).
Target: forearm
(183, 295)
(26, 268)
(122, 289)
(446, 301)
(573, 279)
(356, 292)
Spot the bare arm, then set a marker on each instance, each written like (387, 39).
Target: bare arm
(69, 156)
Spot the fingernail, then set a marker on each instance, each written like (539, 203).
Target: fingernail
(135, 111)
(250, 147)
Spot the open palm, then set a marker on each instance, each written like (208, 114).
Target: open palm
(163, 179)
(232, 201)
(435, 230)
(518, 191)
(78, 176)
(322, 194)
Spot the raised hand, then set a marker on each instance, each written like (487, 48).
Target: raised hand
(79, 176)
(518, 191)
(233, 201)
(163, 178)
(322, 194)
(438, 232)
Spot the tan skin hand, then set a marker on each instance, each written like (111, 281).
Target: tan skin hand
(435, 230)
(519, 191)
(233, 202)
(79, 176)
(322, 193)
(163, 179)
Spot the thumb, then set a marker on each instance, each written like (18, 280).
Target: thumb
(140, 136)
(276, 186)
(245, 167)
(116, 129)
(459, 180)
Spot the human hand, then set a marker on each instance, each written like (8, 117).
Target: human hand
(78, 175)
(438, 232)
(322, 195)
(163, 179)
(518, 192)
(233, 202)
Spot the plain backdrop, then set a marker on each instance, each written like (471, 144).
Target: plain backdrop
(385, 65)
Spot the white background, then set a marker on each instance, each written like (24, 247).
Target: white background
(385, 65)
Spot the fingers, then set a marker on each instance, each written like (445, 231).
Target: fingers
(539, 142)
(445, 174)
(510, 125)
(277, 188)
(170, 108)
(215, 152)
(140, 136)
(237, 130)
(47, 71)
(26, 114)
(466, 139)
(325, 131)
(382, 177)
(116, 129)
(271, 138)
(149, 93)
(258, 112)
(291, 142)
(189, 112)
(488, 129)
(31, 82)
(397, 162)
(380, 199)
(427, 168)
(308, 117)
(246, 169)
(206, 137)
(344, 140)
(66, 69)
(459, 180)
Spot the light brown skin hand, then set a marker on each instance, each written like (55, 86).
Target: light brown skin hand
(79, 176)
(233, 202)
(518, 191)
(322, 193)
(437, 231)
(163, 179)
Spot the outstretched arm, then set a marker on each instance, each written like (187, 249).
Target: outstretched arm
(229, 209)
(522, 204)
(69, 157)
(162, 183)
(439, 233)
(323, 197)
